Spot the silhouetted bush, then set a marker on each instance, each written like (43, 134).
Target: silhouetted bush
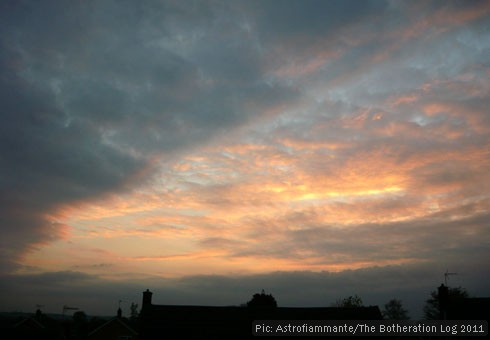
(262, 300)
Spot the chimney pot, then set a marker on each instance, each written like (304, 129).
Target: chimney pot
(146, 298)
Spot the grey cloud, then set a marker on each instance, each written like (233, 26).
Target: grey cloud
(280, 21)
(220, 243)
(76, 289)
(456, 173)
(63, 277)
(91, 91)
(416, 50)
(44, 162)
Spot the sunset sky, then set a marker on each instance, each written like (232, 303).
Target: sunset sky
(210, 149)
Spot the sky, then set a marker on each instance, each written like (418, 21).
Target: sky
(207, 150)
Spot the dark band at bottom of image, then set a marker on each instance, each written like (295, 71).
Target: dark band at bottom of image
(370, 328)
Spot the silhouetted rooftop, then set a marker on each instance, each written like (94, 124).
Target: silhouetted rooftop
(234, 322)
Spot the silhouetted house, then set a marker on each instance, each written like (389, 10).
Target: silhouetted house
(114, 329)
(25, 328)
(207, 322)
(470, 309)
(29, 324)
(462, 308)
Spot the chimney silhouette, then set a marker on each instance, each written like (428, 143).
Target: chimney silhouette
(146, 298)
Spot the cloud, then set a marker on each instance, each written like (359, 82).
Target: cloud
(311, 21)
(91, 100)
(175, 140)
(375, 286)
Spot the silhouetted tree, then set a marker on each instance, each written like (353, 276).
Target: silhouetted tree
(395, 311)
(349, 302)
(432, 309)
(79, 317)
(133, 311)
(262, 300)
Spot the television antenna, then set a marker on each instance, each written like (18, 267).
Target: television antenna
(65, 308)
(446, 276)
(119, 306)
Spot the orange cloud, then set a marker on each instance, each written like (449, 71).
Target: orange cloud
(442, 20)
(395, 101)
(306, 64)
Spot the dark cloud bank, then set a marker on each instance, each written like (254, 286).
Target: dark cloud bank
(410, 283)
